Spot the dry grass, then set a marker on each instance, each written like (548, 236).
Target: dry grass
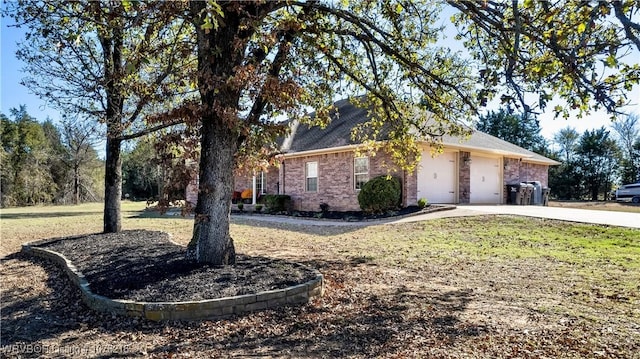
(598, 205)
(491, 286)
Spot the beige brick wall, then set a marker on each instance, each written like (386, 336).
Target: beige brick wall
(335, 180)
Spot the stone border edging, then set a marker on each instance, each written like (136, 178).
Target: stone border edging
(188, 310)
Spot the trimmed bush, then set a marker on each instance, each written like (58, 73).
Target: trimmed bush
(275, 203)
(380, 194)
(422, 203)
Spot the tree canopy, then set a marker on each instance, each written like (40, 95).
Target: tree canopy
(522, 130)
(530, 52)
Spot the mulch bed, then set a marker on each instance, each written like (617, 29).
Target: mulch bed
(146, 266)
(356, 216)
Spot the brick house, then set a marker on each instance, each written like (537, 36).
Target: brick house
(320, 166)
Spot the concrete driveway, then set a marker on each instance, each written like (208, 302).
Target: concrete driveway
(612, 218)
(623, 219)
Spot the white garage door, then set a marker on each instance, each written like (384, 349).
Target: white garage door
(437, 178)
(485, 180)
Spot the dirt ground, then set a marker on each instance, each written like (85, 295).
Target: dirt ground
(398, 291)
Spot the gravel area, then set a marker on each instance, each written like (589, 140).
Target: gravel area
(146, 266)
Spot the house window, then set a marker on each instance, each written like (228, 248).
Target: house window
(312, 177)
(360, 171)
(261, 183)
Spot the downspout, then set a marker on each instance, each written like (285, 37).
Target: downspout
(284, 177)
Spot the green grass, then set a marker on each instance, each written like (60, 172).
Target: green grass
(505, 238)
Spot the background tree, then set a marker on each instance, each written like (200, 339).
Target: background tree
(598, 159)
(26, 179)
(117, 63)
(43, 163)
(80, 158)
(522, 130)
(627, 129)
(567, 139)
(565, 180)
(141, 171)
(156, 169)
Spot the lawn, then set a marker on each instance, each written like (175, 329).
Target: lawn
(486, 286)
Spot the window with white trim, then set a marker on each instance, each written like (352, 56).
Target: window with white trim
(311, 184)
(360, 172)
(261, 183)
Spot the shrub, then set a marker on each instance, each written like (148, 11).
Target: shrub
(240, 207)
(275, 203)
(380, 194)
(324, 207)
(422, 203)
(258, 208)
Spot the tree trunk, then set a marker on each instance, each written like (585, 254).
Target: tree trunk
(112, 187)
(76, 185)
(211, 241)
(220, 51)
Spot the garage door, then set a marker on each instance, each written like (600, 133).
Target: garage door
(485, 180)
(437, 179)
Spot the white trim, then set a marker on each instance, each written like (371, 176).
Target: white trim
(318, 151)
(446, 146)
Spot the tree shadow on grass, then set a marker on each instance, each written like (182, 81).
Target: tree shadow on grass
(47, 214)
(346, 322)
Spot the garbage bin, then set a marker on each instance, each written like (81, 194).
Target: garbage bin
(528, 192)
(513, 193)
(522, 192)
(536, 196)
(545, 196)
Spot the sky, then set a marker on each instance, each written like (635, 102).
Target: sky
(12, 94)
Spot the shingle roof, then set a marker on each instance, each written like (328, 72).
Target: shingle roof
(485, 142)
(338, 134)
